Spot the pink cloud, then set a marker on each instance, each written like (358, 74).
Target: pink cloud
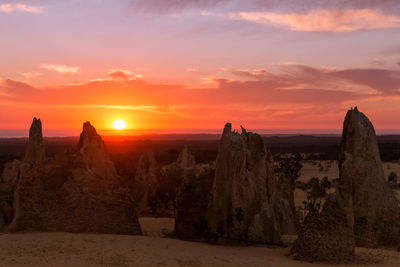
(10, 8)
(323, 20)
(63, 69)
(32, 74)
(120, 74)
(174, 5)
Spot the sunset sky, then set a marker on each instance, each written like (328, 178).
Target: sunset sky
(195, 64)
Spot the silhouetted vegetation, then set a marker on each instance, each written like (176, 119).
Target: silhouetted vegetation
(316, 193)
(289, 168)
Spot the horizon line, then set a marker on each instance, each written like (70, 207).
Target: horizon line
(21, 133)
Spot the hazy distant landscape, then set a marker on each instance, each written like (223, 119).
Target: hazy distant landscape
(203, 146)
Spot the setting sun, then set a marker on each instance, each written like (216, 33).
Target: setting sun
(119, 124)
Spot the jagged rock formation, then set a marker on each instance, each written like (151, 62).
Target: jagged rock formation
(145, 181)
(12, 171)
(392, 179)
(363, 211)
(192, 202)
(34, 156)
(92, 151)
(193, 196)
(8, 182)
(185, 159)
(35, 153)
(285, 210)
(71, 194)
(326, 236)
(241, 207)
(361, 172)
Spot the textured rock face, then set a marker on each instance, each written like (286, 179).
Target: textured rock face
(92, 151)
(69, 194)
(285, 210)
(240, 206)
(8, 181)
(392, 179)
(145, 181)
(192, 201)
(185, 159)
(363, 212)
(35, 153)
(326, 236)
(11, 172)
(361, 173)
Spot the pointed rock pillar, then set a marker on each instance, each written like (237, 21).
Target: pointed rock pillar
(35, 154)
(240, 207)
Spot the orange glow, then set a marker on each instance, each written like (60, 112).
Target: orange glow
(119, 124)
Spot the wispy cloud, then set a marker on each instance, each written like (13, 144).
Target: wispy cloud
(322, 19)
(114, 107)
(377, 61)
(174, 6)
(60, 68)
(10, 8)
(120, 74)
(121, 107)
(29, 75)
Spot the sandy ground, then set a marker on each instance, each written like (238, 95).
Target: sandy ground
(64, 249)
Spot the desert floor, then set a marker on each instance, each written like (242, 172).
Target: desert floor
(153, 249)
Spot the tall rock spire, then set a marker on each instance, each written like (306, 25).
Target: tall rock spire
(362, 178)
(35, 153)
(93, 152)
(240, 206)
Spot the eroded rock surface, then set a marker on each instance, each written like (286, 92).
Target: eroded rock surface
(192, 202)
(361, 172)
(363, 211)
(35, 153)
(92, 152)
(145, 181)
(241, 208)
(326, 236)
(185, 159)
(284, 207)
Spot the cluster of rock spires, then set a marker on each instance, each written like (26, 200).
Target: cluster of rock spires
(248, 204)
(239, 198)
(74, 192)
(236, 202)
